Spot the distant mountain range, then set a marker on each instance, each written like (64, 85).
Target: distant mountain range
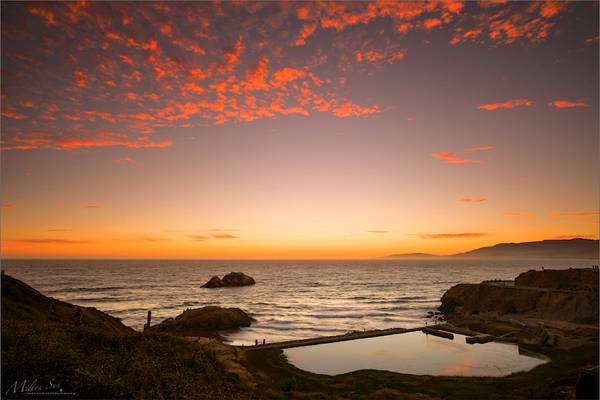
(573, 248)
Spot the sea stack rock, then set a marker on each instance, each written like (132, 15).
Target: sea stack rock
(231, 279)
(214, 282)
(237, 279)
(204, 321)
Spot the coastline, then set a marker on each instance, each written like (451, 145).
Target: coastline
(263, 371)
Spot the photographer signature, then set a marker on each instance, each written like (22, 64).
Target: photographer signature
(37, 388)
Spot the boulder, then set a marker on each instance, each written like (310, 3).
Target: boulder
(237, 279)
(231, 279)
(204, 321)
(214, 282)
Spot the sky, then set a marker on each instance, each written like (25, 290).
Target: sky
(296, 130)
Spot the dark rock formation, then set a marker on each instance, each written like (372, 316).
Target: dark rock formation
(214, 282)
(567, 279)
(237, 279)
(231, 279)
(587, 384)
(204, 321)
(552, 304)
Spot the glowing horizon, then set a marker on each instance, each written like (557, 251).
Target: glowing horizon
(296, 130)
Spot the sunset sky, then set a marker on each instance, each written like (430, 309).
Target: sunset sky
(296, 130)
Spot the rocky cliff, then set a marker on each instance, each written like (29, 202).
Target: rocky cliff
(543, 302)
(568, 279)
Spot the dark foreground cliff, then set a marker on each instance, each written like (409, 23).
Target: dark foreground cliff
(64, 351)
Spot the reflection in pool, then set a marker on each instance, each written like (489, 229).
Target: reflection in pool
(413, 353)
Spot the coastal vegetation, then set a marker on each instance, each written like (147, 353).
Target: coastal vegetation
(49, 345)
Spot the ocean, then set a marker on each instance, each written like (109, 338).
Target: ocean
(291, 299)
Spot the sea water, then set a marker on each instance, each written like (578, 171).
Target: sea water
(291, 299)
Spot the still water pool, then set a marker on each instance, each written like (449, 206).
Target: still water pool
(414, 353)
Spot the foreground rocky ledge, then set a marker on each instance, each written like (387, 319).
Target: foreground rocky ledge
(541, 299)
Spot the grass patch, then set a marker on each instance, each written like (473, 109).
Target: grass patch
(94, 364)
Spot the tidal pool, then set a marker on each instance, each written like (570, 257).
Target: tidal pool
(414, 353)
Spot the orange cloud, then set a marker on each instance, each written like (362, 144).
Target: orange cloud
(452, 235)
(123, 160)
(47, 15)
(550, 9)
(200, 74)
(533, 22)
(142, 117)
(192, 87)
(306, 31)
(91, 206)
(43, 242)
(13, 115)
(452, 159)
(198, 238)
(576, 214)
(287, 74)
(568, 237)
(373, 56)
(431, 23)
(169, 63)
(256, 78)
(481, 148)
(506, 104)
(81, 77)
(232, 55)
(8, 206)
(377, 231)
(43, 140)
(350, 109)
(27, 104)
(472, 199)
(224, 236)
(568, 104)
(519, 214)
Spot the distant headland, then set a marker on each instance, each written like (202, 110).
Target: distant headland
(572, 248)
